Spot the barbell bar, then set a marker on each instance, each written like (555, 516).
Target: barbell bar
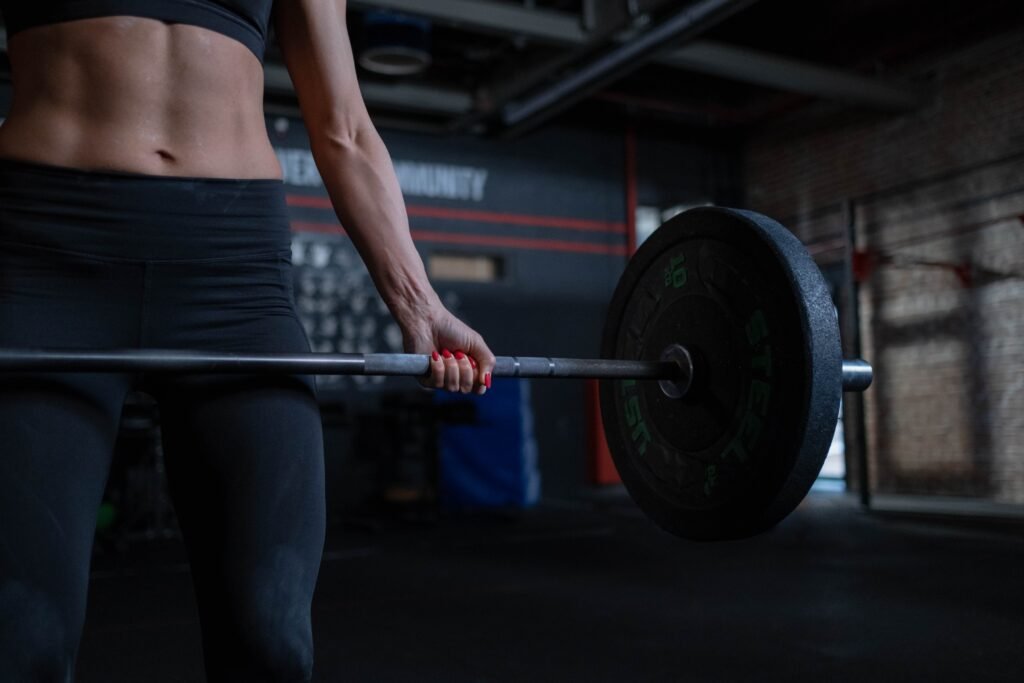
(857, 374)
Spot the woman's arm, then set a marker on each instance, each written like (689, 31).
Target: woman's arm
(364, 190)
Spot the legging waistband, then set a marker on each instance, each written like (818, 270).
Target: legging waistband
(140, 217)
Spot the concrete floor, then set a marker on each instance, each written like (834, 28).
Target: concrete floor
(585, 594)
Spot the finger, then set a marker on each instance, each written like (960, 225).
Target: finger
(484, 383)
(484, 364)
(451, 371)
(436, 371)
(478, 377)
(479, 350)
(466, 375)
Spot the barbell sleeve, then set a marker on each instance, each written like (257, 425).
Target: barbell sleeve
(857, 375)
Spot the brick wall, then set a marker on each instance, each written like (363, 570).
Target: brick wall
(937, 200)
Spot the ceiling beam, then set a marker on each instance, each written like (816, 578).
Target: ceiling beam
(557, 28)
(791, 75)
(622, 59)
(737, 63)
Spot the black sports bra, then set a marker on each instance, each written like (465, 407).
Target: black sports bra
(244, 20)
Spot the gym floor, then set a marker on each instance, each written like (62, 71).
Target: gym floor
(596, 593)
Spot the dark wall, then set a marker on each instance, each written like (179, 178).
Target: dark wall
(551, 205)
(676, 167)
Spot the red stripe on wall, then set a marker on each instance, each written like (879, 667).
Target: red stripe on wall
(324, 228)
(599, 458)
(481, 240)
(420, 211)
(519, 243)
(516, 219)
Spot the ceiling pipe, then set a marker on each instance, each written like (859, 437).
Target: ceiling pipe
(493, 97)
(500, 18)
(614, 63)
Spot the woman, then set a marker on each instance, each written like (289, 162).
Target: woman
(141, 206)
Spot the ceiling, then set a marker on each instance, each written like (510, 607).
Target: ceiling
(505, 66)
(740, 63)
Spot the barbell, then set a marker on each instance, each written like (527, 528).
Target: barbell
(721, 372)
(857, 374)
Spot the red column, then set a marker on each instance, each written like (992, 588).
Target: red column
(601, 469)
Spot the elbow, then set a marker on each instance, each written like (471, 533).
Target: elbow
(345, 141)
(343, 144)
(342, 137)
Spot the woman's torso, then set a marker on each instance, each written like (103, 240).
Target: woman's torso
(140, 96)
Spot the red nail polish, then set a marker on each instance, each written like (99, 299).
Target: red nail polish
(472, 363)
(487, 380)
(459, 355)
(446, 353)
(434, 356)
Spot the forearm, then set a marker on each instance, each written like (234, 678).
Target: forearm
(361, 181)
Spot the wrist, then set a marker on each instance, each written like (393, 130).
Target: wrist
(410, 298)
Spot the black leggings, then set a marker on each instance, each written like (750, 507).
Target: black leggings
(106, 260)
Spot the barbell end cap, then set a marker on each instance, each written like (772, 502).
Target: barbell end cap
(679, 385)
(857, 375)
